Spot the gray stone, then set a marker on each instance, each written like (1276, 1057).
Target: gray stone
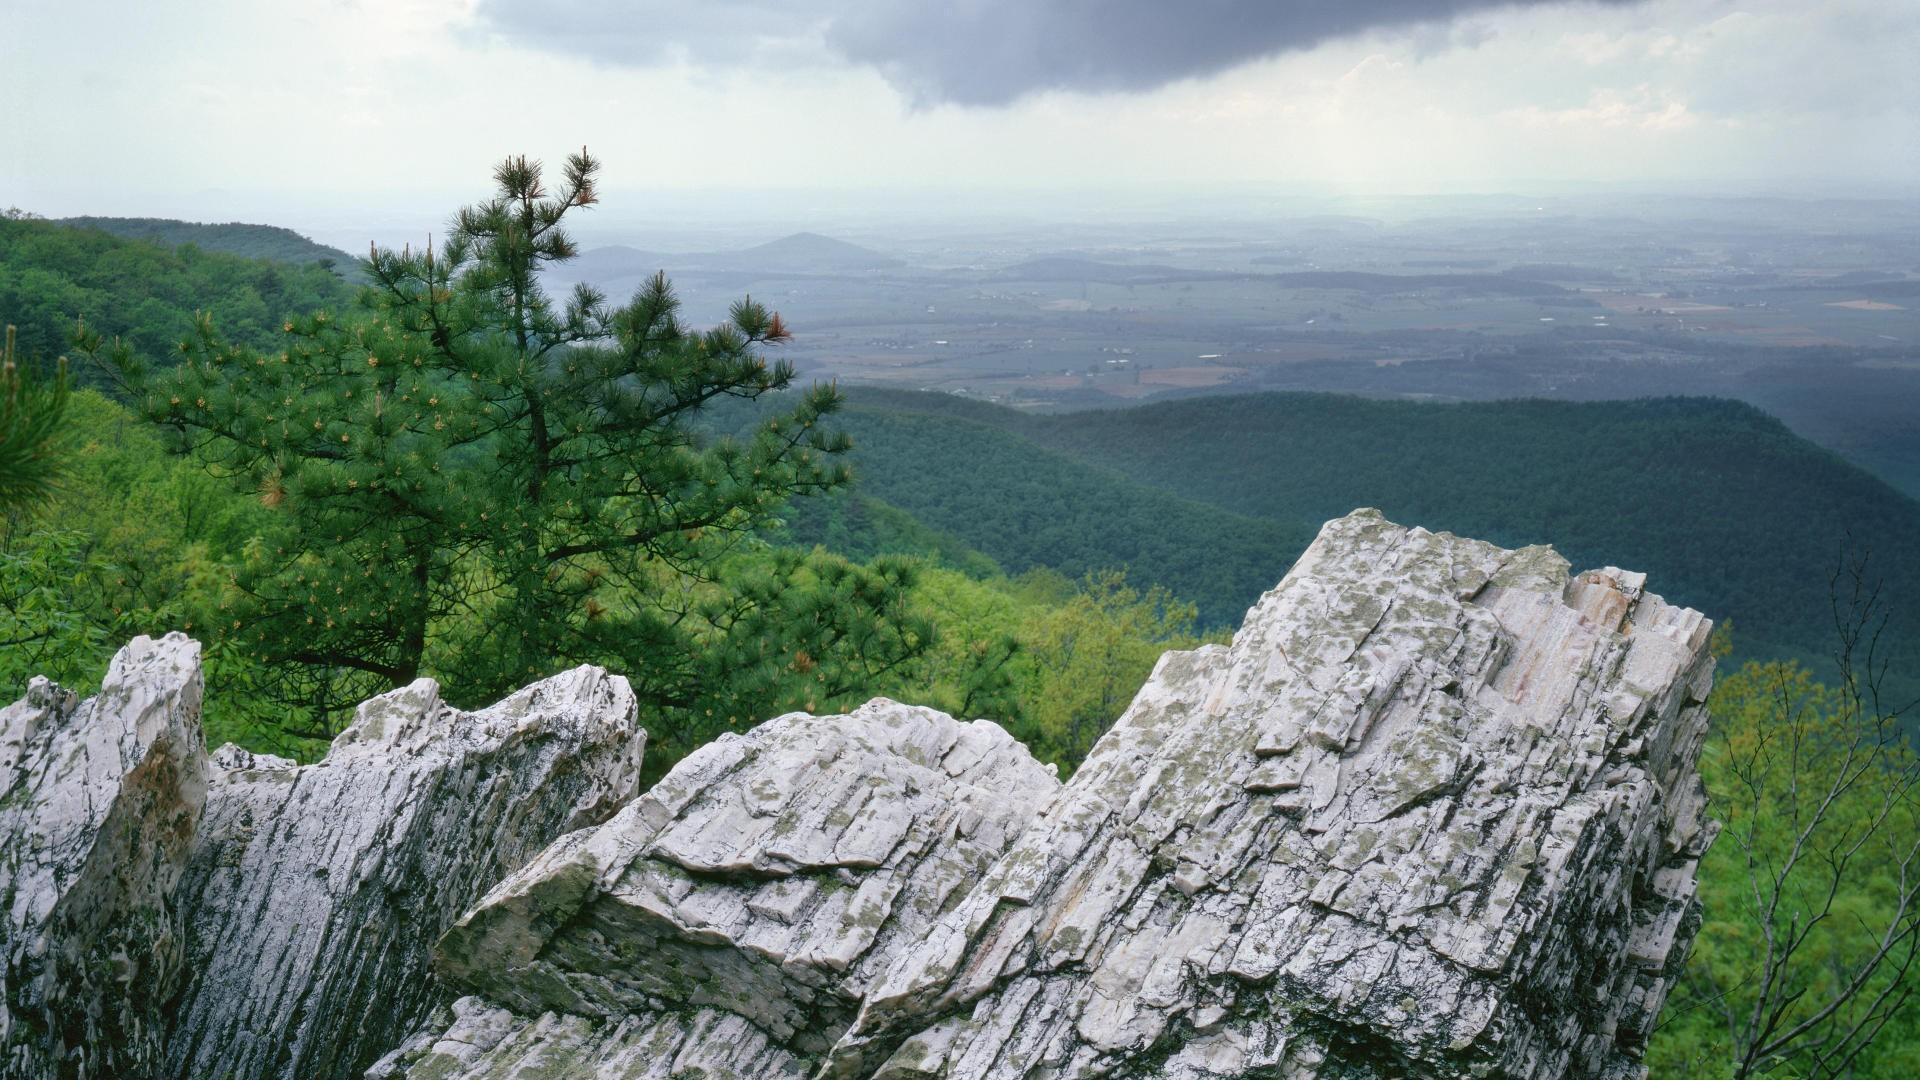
(732, 918)
(1434, 813)
(98, 804)
(316, 892)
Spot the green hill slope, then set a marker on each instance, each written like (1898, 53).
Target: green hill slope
(1724, 507)
(859, 526)
(229, 238)
(1023, 506)
(51, 274)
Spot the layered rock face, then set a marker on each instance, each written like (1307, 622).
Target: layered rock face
(98, 805)
(729, 922)
(315, 893)
(269, 919)
(1434, 813)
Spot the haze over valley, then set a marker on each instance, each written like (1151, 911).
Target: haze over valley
(1809, 309)
(1017, 537)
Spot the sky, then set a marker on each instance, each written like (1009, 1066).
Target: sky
(324, 109)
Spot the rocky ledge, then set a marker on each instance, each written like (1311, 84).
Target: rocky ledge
(1435, 812)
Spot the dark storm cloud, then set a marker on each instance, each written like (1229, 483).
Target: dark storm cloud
(969, 52)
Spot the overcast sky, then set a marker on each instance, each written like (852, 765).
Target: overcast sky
(216, 108)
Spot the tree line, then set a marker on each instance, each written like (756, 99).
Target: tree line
(450, 473)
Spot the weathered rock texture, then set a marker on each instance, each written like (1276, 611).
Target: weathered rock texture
(315, 893)
(1434, 813)
(98, 804)
(731, 920)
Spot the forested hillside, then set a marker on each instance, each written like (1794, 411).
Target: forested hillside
(200, 508)
(1211, 498)
(1025, 506)
(229, 238)
(1722, 506)
(52, 274)
(1029, 568)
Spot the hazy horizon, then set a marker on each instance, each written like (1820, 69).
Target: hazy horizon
(343, 117)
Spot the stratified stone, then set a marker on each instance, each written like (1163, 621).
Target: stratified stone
(1434, 813)
(727, 923)
(98, 803)
(475, 1039)
(315, 893)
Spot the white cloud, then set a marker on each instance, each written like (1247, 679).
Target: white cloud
(237, 108)
(1640, 108)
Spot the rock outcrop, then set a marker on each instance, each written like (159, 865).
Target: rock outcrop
(98, 805)
(729, 922)
(315, 893)
(268, 919)
(1434, 813)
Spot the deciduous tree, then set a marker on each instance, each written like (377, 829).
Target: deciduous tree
(1812, 891)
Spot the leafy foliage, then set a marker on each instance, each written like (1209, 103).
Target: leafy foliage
(1056, 661)
(1723, 507)
(1813, 875)
(132, 541)
(270, 242)
(1092, 652)
(46, 625)
(472, 479)
(53, 275)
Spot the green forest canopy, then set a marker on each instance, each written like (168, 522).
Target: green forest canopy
(1721, 505)
(53, 274)
(228, 238)
(1724, 507)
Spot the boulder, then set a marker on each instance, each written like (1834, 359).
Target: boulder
(315, 893)
(99, 800)
(1434, 813)
(729, 922)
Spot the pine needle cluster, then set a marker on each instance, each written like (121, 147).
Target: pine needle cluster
(31, 411)
(479, 481)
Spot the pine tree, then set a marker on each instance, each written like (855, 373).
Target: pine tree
(31, 410)
(479, 481)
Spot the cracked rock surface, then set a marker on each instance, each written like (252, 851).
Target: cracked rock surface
(315, 893)
(1434, 813)
(98, 804)
(729, 922)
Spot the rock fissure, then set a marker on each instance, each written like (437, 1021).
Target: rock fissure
(1434, 812)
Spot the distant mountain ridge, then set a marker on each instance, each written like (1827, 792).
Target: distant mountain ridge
(232, 238)
(801, 253)
(802, 250)
(1724, 507)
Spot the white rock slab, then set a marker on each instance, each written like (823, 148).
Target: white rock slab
(1435, 813)
(730, 920)
(98, 805)
(316, 893)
